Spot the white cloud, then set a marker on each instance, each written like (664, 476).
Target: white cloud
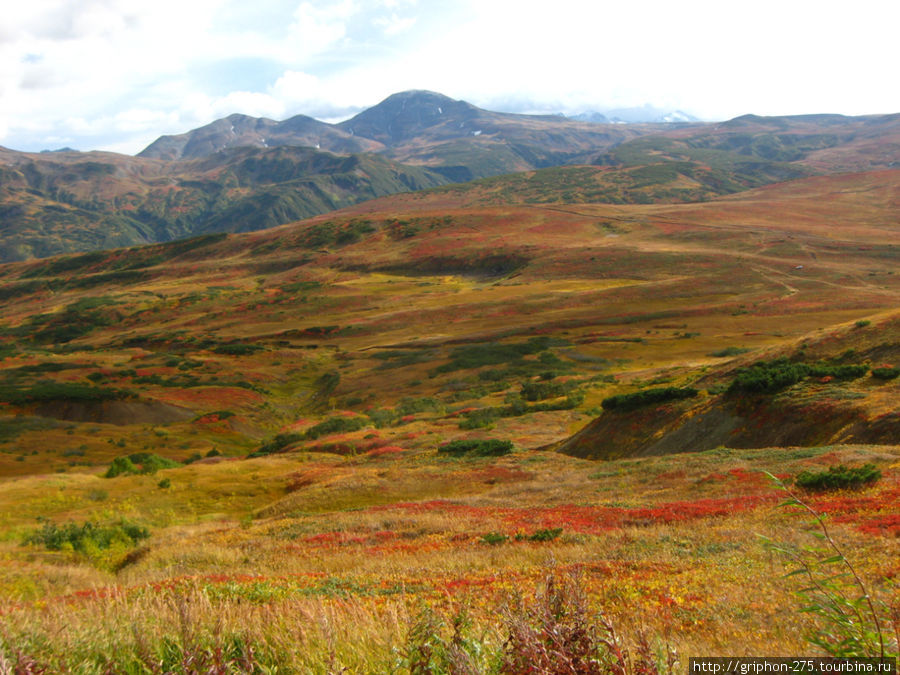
(142, 119)
(395, 24)
(295, 88)
(248, 103)
(104, 71)
(318, 27)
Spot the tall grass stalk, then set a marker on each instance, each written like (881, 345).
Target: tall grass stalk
(856, 624)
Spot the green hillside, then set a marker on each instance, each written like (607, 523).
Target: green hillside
(57, 204)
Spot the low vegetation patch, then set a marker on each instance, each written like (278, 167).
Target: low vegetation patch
(729, 351)
(237, 349)
(330, 233)
(47, 390)
(491, 447)
(277, 444)
(383, 417)
(411, 406)
(76, 320)
(401, 358)
(495, 353)
(139, 463)
(494, 538)
(484, 417)
(647, 397)
(768, 377)
(885, 373)
(539, 391)
(838, 477)
(88, 535)
(546, 534)
(334, 425)
(12, 427)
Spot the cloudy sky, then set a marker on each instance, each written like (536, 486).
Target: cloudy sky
(116, 74)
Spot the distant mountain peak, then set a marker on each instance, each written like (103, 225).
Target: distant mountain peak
(403, 115)
(238, 130)
(425, 95)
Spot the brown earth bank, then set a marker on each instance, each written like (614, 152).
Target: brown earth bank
(720, 422)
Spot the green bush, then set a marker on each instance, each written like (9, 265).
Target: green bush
(47, 390)
(89, 534)
(769, 377)
(547, 534)
(573, 400)
(277, 444)
(401, 358)
(151, 463)
(237, 349)
(410, 406)
(382, 417)
(494, 538)
(885, 373)
(838, 477)
(120, 466)
(539, 391)
(334, 425)
(492, 354)
(330, 233)
(647, 397)
(490, 447)
(481, 418)
(842, 372)
(76, 320)
(139, 462)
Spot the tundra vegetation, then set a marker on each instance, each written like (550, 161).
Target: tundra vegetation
(336, 446)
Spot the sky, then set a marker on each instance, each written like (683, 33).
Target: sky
(116, 74)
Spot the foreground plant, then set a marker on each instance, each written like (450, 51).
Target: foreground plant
(854, 623)
(553, 633)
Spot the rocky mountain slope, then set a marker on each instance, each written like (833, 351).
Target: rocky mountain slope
(237, 131)
(63, 202)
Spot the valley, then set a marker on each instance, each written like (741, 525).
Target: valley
(383, 436)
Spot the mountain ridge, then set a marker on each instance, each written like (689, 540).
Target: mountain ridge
(93, 201)
(397, 118)
(242, 173)
(238, 130)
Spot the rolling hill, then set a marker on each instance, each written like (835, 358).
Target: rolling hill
(337, 443)
(599, 277)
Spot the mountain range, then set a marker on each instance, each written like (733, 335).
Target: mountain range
(439, 425)
(242, 173)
